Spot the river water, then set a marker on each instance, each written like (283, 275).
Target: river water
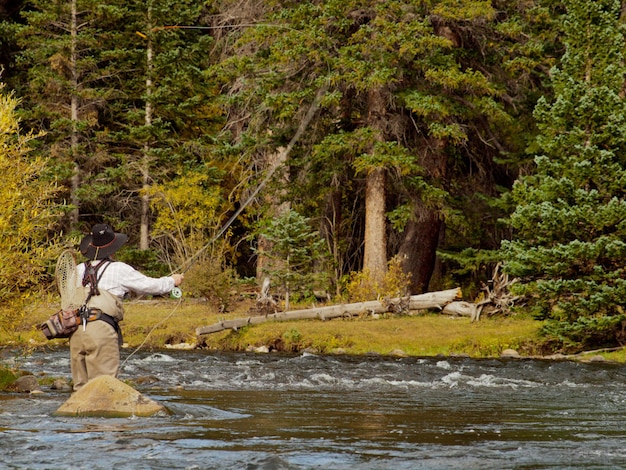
(246, 411)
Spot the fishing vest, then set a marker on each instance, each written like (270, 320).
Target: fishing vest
(97, 298)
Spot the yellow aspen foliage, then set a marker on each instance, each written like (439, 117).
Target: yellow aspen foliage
(26, 214)
(187, 211)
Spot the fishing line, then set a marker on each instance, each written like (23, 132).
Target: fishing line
(303, 125)
(180, 300)
(176, 292)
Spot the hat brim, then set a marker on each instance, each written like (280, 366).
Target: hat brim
(99, 252)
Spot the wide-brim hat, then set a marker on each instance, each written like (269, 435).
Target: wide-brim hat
(102, 242)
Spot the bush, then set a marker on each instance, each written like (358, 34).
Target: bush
(210, 280)
(362, 287)
(146, 261)
(586, 332)
(7, 377)
(26, 215)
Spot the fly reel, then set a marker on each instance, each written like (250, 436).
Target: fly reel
(176, 293)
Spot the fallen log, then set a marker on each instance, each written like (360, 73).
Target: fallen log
(461, 309)
(415, 302)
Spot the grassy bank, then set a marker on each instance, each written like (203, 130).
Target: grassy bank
(167, 323)
(170, 323)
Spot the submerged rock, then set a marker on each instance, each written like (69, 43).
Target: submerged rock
(26, 383)
(60, 384)
(108, 397)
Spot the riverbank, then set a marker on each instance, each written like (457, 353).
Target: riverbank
(169, 323)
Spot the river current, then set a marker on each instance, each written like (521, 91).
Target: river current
(275, 412)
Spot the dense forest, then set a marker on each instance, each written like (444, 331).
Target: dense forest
(350, 147)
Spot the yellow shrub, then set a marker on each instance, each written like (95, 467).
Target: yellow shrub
(362, 287)
(26, 213)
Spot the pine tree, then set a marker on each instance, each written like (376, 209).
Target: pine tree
(124, 103)
(406, 106)
(569, 250)
(296, 251)
(76, 55)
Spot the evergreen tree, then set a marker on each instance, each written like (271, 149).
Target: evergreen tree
(296, 252)
(417, 95)
(76, 56)
(124, 104)
(569, 250)
(416, 103)
(172, 129)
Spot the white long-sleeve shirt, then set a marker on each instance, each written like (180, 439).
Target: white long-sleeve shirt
(119, 278)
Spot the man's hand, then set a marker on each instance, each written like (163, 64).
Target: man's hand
(178, 279)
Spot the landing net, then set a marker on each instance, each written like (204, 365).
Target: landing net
(66, 278)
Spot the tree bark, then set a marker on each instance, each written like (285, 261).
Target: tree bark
(375, 252)
(75, 181)
(144, 228)
(418, 250)
(415, 302)
(463, 309)
(375, 240)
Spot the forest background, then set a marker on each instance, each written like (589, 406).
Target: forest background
(355, 148)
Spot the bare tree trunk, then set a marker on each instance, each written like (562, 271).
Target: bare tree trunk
(144, 228)
(431, 300)
(375, 241)
(375, 254)
(75, 181)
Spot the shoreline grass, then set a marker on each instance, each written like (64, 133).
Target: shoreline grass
(168, 323)
(164, 323)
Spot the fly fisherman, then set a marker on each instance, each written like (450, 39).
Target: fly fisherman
(94, 346)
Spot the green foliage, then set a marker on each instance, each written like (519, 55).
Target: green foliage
(74, 81)
(585, 333)
(7, 377)
(209, 279)
(457, 80)
(386, 154)
(453, 103)
(292, 338)
(26, 215)
(569, 226)
(474, 267)
(146, 261)
(122, 134)
(296, 253)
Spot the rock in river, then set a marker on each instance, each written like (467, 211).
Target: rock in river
(106, 396)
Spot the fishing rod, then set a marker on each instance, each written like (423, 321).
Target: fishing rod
(177, 292)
